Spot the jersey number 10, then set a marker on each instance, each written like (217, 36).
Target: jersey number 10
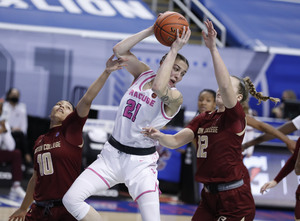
(45, 163)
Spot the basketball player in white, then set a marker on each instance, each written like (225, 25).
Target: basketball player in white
(128, 157)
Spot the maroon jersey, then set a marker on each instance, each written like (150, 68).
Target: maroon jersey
(219, 136)
(57, 158)
(289, 165)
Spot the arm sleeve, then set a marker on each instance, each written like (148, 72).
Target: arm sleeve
(236, 118)
(288, 167)
(72, 128)
(194, 123)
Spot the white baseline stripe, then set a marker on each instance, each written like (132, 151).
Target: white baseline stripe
(9, 202)
(67, 31)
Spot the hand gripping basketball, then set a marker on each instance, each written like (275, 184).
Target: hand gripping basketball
(166, 25)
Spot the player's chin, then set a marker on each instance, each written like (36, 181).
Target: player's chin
(203, 109)
(171, 84)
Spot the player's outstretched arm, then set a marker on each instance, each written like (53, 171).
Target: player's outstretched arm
(20, 213)
(122, 50)
(171, 98)
(177, 140)
(268, 129)
(221, 73)
(286, 128)
(84, 105)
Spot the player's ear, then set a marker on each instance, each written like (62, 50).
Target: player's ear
(239, 97)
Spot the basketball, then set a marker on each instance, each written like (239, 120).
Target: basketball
(166, 25)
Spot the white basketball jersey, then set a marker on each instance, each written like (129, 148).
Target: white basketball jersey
(138, 109)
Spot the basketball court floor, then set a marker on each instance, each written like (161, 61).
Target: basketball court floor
(127, 210)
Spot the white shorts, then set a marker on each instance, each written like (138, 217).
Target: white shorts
(139, 173)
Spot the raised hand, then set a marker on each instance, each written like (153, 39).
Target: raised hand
(113, 65)
(182, 40)
(210, 37)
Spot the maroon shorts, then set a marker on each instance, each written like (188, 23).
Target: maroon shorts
(230, 205)
(57, 213)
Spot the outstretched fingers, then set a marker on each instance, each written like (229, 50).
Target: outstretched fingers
(185, 35)
(210, 28)
(117, 64)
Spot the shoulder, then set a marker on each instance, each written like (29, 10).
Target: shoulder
(144, 76)
(39, 139)
(21, 107)
(236, 110)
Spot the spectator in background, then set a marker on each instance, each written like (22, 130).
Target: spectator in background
(9, 155)
(278, 112)
(15, 113)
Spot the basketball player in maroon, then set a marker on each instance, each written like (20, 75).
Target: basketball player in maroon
(226, 194)
(57, 156)
(289, 166)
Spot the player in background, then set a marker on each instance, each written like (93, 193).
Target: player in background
(226, 194)
(286, 128)
(290, 165)
(58, 156)
(207, 102)
(128, 157)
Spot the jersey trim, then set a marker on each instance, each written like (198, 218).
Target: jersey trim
(242, 132)
(146, 72)
(140, 87)
(99, 176)
(149, 191)
(163, 112)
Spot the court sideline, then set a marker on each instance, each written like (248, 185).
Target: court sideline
(127, 210)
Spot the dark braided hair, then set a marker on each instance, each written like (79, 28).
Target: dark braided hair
(246, 86)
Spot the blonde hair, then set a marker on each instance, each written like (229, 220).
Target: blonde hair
(246, 86)
(258, 95)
